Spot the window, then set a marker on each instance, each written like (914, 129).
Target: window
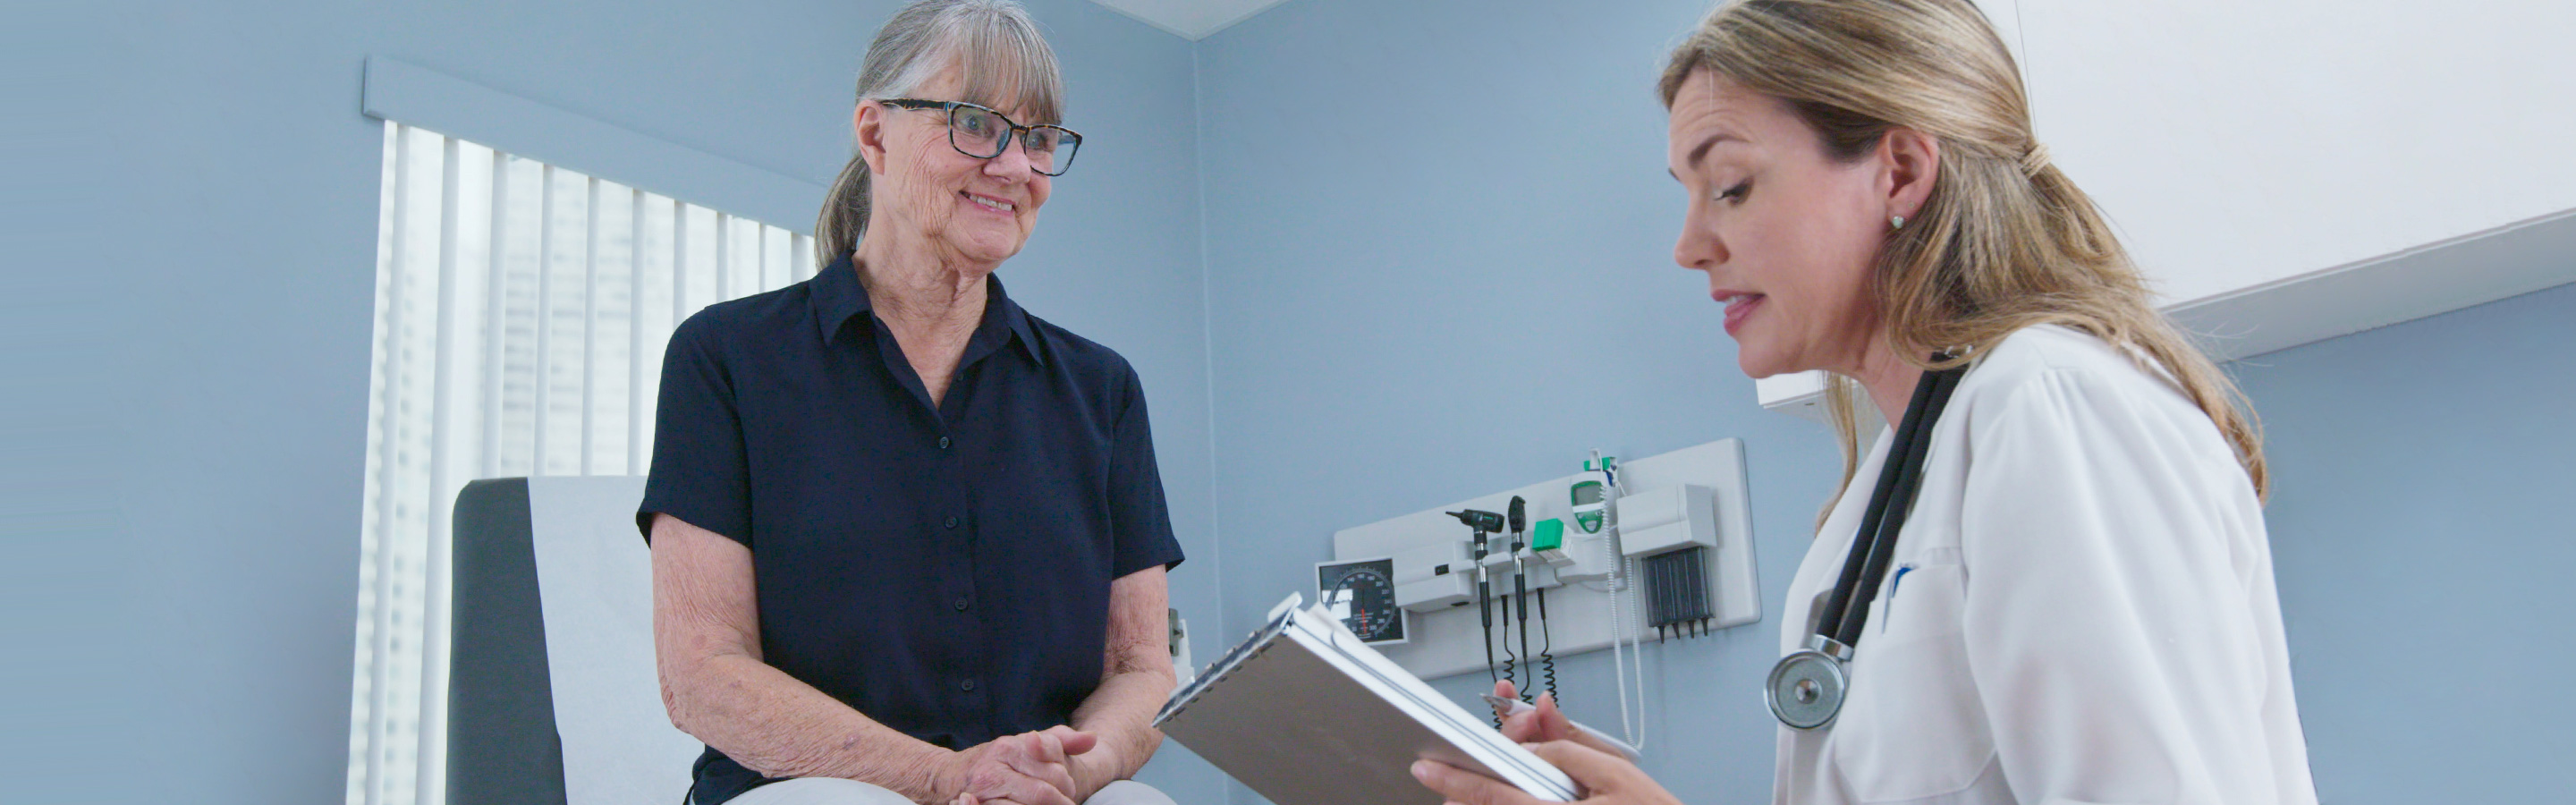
(521, 311)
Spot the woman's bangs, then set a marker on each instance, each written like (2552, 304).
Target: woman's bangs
(1012, 71)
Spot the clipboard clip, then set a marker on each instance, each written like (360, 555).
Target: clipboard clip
(1294, 602)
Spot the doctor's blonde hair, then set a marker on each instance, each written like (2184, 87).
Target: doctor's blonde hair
(2004, 241)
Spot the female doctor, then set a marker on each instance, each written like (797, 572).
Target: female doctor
(2080, 607)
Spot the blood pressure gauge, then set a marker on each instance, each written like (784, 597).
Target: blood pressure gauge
(1362, 593)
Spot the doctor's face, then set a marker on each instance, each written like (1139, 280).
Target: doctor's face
(1786, 234)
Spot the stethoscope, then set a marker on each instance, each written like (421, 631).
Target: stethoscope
(1808, 686)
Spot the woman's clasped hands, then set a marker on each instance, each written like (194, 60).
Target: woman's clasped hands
(1031, 768)
(1605, 776)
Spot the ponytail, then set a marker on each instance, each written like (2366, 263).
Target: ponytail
(845, 214)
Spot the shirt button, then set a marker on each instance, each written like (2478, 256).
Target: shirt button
(967, 685)
(952, 521)
(943, 442)
(962, 605)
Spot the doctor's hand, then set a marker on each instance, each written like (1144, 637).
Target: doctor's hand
(1031, 768)
(1606, 778)
(1544, 724)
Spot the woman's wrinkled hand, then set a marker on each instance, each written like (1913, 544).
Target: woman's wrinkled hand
(1606, 779)
(1031, 768)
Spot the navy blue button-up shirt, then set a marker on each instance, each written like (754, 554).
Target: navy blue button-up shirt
(943, 569)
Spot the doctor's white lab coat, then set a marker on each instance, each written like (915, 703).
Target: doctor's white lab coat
(2081, 609)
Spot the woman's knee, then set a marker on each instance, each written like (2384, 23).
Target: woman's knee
(1128, 792)
(820, 791)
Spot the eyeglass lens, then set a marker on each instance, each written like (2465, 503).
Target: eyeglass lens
(979, 133)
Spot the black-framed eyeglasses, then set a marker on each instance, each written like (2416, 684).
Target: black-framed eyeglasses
(982, 133)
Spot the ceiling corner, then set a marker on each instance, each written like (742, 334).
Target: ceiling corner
(1190, 19)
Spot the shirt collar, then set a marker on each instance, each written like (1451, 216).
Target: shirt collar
(838, 297)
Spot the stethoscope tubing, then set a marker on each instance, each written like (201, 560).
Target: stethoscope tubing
(1807, 687)
(1912, 431)
(1882, 546)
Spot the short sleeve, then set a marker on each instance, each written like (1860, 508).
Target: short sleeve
(1139, 520)
(2107, 617)
(699, 473)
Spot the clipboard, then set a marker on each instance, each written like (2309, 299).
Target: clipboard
(1305, 714)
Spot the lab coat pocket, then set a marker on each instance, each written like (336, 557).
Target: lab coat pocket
(1914, 726)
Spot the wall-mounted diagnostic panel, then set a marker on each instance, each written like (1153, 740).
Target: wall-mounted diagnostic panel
(1655, 548)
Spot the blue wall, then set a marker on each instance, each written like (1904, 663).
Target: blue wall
(1439, 263)
(2416, 471)
(191, 231)
(1426, 245)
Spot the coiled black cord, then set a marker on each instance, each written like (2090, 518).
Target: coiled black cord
(1546, 649)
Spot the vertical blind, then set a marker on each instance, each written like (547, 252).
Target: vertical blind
(520, 315)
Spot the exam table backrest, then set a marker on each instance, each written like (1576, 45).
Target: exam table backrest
(552, 695)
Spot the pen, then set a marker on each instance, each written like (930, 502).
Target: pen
(1513, 707)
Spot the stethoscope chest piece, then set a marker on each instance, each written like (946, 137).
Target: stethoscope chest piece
(1807, 689)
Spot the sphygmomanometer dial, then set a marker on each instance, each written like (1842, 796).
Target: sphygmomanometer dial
(1372, 597)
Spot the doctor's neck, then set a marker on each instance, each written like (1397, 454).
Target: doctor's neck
(1890, 380)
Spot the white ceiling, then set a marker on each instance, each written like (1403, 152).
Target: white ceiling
(1192, 19)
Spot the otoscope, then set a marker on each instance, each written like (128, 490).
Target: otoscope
(1519, 516)
(1484, 522)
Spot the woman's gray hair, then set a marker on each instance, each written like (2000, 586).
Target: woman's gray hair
(1000, 53)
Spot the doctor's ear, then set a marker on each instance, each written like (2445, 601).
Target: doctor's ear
(1909, 162)
(868, 122)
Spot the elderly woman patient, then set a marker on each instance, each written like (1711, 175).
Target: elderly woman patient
(909, 540)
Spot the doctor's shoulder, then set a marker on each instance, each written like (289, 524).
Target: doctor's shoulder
(2104, 396)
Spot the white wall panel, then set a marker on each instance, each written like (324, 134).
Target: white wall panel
(2295, 170)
